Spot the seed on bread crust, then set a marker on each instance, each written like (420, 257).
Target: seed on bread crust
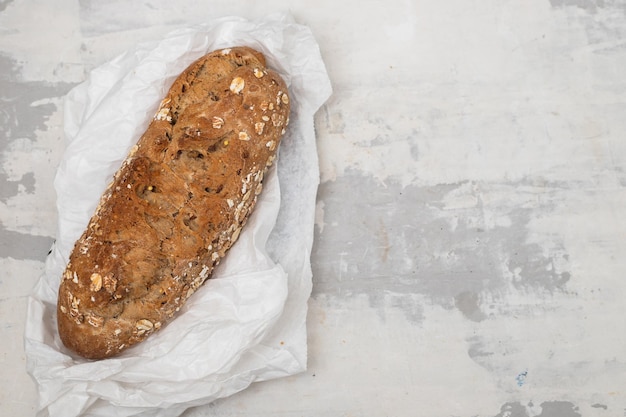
(218, 122)
(237, 85)
(96, 282)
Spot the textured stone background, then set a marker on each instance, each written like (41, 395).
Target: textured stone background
(470, 238)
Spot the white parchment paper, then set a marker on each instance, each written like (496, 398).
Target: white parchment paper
(248, 322)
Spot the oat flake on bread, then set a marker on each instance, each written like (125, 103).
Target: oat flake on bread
(176, 205)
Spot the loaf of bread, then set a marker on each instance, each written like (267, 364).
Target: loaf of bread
(176, 205)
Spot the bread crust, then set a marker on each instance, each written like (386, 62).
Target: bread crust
(176, 205)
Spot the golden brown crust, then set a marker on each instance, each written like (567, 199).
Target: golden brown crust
(176, 205)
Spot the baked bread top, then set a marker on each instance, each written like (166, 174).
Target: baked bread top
(176, 205)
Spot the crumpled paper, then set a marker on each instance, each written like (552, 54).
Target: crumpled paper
(247, 323)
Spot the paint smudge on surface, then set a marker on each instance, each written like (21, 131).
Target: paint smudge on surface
(21, 117)
(477, 350)
(11, 188)
(4, 4)
(601, 20)
(469, 304)
(591, 6)
(548, 409)
(449, 242)
(18, 245)
(25, 109)
(559, 409)
(512, 409)
(521, 378)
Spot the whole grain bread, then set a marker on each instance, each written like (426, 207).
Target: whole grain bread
(176, 205)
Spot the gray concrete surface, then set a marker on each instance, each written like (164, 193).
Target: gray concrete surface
(470, 238)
